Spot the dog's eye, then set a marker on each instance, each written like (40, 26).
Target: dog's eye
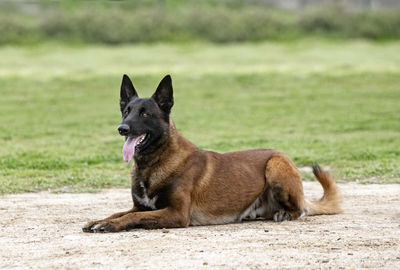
(126, 113)
(143, 114)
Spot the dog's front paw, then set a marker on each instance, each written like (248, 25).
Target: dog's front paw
(101, 226)
(88, 226)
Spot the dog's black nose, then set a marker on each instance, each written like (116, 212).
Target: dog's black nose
(123, 129)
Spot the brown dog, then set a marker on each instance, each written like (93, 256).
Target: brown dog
(175, 184)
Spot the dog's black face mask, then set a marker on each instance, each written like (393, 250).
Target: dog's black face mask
(145, 121)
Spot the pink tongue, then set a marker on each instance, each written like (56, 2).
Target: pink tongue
(129, 148)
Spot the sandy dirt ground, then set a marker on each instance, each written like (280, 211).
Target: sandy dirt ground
(43, 230)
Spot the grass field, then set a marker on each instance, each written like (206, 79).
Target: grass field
(335, 103)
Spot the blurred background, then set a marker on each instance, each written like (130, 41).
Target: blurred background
(127, 22)
(319, 80)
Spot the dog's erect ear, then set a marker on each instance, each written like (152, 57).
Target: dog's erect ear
(164, 95)
(128, 92)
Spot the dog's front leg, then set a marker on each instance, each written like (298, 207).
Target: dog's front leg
(157, 219)
(89, 227)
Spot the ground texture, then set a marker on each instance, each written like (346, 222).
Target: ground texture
(43, 230)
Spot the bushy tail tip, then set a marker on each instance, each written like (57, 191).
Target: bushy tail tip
(331, 201)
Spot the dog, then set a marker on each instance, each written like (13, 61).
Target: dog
(175, 184)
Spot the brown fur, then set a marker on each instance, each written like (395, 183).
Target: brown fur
(330, 202)
(203, 187)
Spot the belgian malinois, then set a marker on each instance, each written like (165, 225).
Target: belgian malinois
(175, 184)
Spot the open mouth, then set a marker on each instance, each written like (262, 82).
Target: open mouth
(132, 144)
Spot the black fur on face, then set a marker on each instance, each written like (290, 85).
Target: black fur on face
(146, 116)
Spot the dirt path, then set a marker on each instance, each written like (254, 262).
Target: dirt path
(43, 230)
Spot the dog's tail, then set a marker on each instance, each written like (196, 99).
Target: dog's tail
(330, 203)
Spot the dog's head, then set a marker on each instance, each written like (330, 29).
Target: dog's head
(145, 121)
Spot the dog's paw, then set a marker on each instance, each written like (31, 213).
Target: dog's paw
(282, 215)
(100, 227)
(88, 226)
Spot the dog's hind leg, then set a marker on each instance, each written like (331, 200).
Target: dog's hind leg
(284, 189)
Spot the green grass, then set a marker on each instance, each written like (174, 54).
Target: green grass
(336, 103)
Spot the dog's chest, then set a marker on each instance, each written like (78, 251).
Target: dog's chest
(141, 198)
